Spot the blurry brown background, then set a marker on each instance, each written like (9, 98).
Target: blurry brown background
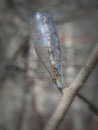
(27, 94)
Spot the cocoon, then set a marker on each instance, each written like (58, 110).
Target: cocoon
(44, 36)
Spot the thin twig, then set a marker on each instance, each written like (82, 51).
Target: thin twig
(91, 106)
(70, 92)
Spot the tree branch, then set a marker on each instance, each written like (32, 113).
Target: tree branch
(70, 92)
(91, 106)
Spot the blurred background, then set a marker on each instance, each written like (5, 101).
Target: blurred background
(27, 94)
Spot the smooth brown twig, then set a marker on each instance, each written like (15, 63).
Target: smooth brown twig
(70, 92)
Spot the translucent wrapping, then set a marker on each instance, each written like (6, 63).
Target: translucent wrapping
(47, 45)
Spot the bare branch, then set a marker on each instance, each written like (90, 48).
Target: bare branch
(91, 106)
(70, 92)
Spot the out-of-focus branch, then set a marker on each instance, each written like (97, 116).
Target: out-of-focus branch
(10, 65)
(91, 106)
(70, 92)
